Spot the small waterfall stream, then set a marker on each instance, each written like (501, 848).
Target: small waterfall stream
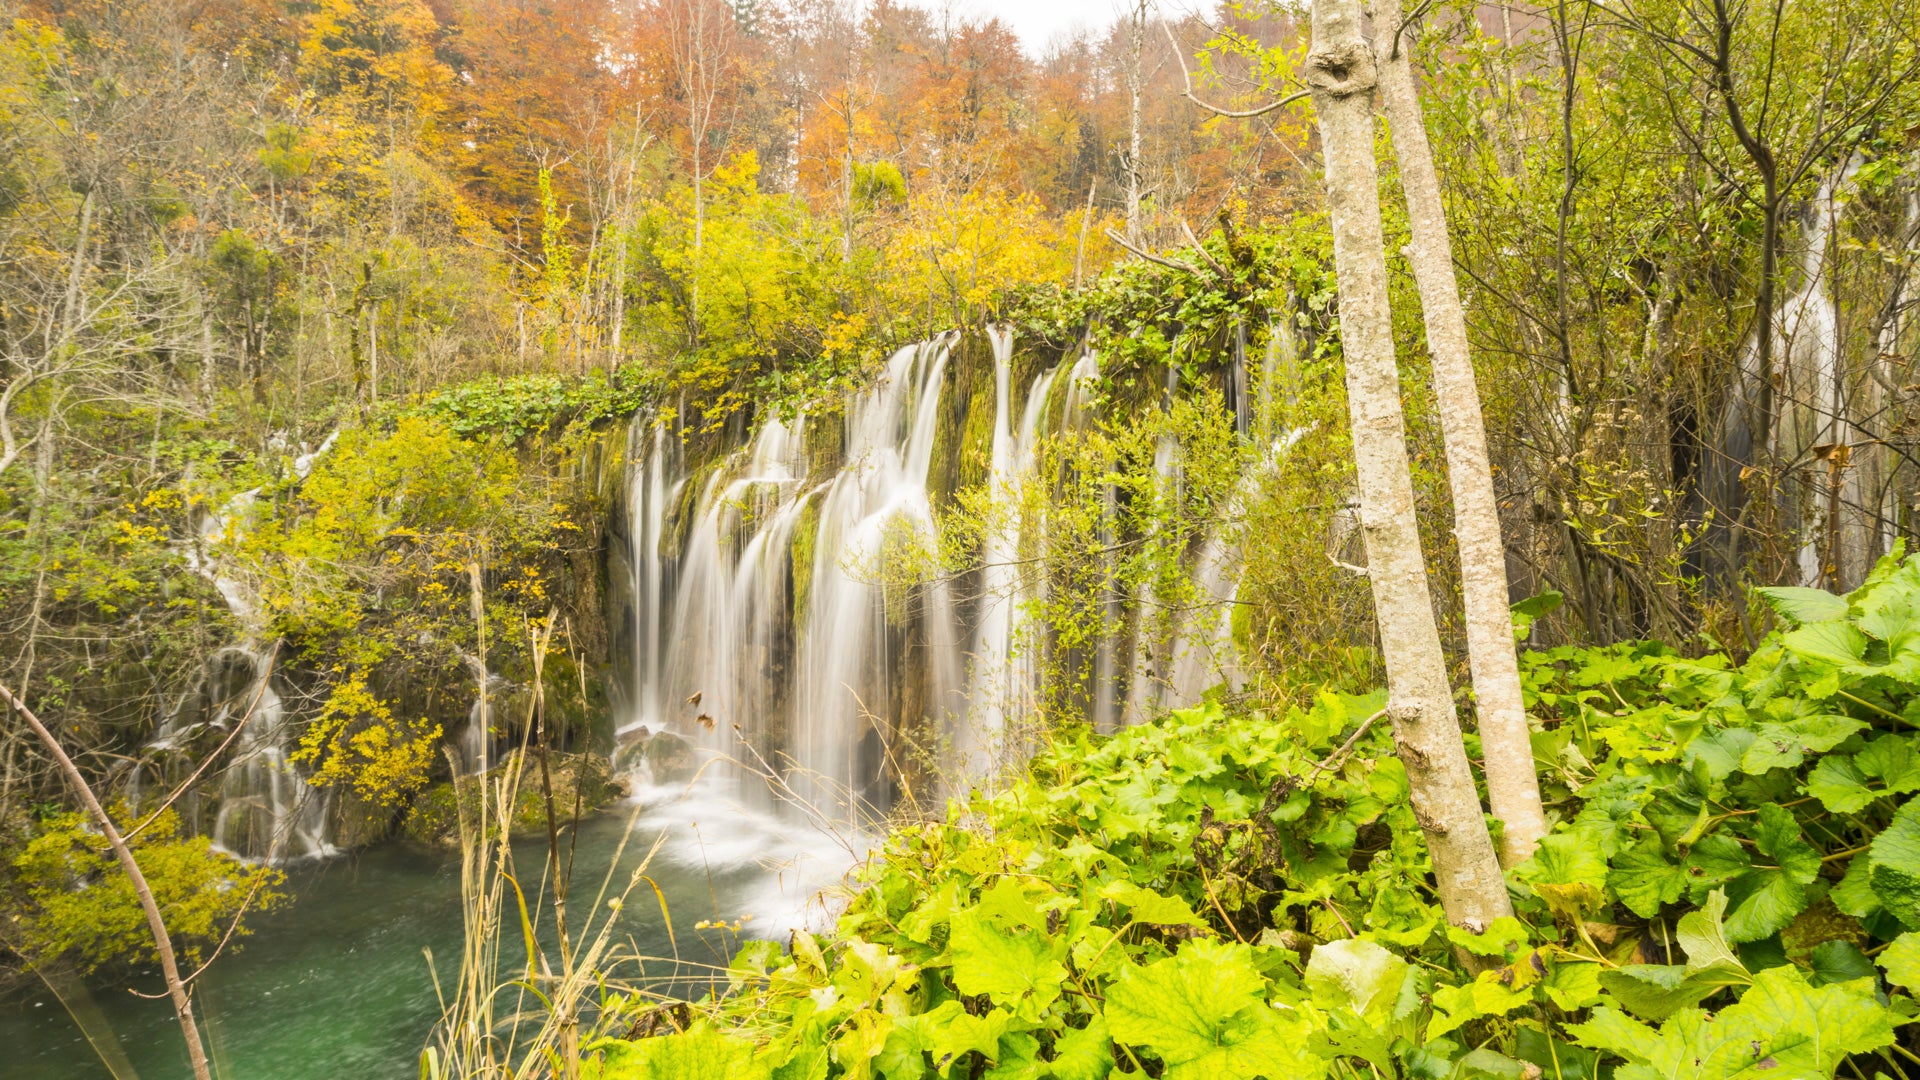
(262, 807)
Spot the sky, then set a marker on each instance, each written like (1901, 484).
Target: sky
(1036, 21)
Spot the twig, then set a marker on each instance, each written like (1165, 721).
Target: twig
(1202, 251)
(1171, 264)
(1339, 756)
(1186, 79)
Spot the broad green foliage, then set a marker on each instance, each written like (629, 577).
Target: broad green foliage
(80, 907)
(525, 405)
(1733, 891)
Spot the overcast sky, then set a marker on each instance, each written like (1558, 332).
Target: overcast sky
(1036, 21)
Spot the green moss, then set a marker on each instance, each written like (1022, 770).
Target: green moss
(806, 534)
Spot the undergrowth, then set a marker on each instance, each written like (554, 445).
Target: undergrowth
(1732, 890)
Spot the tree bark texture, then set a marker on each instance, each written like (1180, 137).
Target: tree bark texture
(1341, 73)
(1505, 742)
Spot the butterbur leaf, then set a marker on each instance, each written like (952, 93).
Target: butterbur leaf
(1891, 760)
(1008, 903)
(1803, 1028)
(1007, 966)
(1854, 895)
(1203, 1011)
(1780, 1027)
(1148, 906)
(1657, 991)
(951, 1031)
(1786, 745)
(1840, 786)
(1643, 879)
(1804, 605)
(1902, 960)
(699, 1054)
(1894, 866)
(1083, 1053)
(1714, 861)
(1613, 1032)
(1834, 643)
(1705, 942)
(1765, 900)
(1568, 873)
(1357, 975)
(1487, 995)
(1839, 962)
(1572, 985)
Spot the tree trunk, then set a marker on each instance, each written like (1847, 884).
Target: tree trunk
(1137, 22)
(1512, 788)
(176, 987)
(1340, 72)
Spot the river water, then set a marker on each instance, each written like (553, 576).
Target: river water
(336, 984)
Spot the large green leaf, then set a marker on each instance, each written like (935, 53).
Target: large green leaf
(1568, 872)
(1643, 879)
(1203, 1011)
(1007, 966)
(1765, 900)
(1786, 745)
(1894, 865)
(1357, 975)
(700, 1054)
(1839, 644)
(1804, 605)
(1148, 906)
(1083, 1053)
(1657, 991)
(1902, 960)
(1705, 942)
(1781, 1027)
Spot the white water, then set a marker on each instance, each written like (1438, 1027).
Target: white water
(774, 629)
(261, 807)
(1004, 679)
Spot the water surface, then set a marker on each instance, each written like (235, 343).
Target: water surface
(336, 983)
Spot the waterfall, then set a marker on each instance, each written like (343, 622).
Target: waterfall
(1004, 682)
(764, 630)
(1815, 417)
(786, 617)
(261, 806)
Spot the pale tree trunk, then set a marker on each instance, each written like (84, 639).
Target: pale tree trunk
(1512, 788)
(1137, 26)
(1340, 72)
(162, 943)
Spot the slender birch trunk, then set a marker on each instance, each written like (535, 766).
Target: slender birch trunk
(162, 943)
(1512, 788)
(1340, 72)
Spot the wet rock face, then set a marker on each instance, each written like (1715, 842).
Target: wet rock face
(670, 757)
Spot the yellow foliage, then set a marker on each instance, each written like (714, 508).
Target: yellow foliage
(952, 257)
(357, 742)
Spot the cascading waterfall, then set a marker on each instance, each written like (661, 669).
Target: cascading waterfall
(763, 631)
(262, 808)
(771, 632)
(1005, 681)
